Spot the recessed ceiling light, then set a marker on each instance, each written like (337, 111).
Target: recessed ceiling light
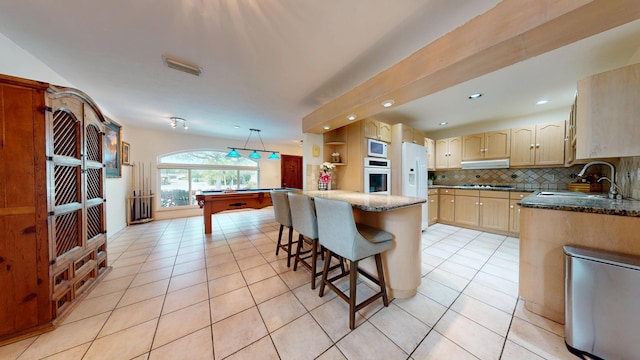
(542, 102)
(236, 126)
(443, 123)
(475, 96)
(352, 117)
(326, 127)
(388, 103)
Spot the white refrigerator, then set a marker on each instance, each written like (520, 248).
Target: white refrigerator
(414, 175)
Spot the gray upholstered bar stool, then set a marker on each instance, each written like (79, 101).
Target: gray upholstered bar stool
(282, 212)
(303, 217)
(341, 236)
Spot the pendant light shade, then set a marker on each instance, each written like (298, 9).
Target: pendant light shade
(273, 156)
(233, 154)
(255, 156)
(255, 152)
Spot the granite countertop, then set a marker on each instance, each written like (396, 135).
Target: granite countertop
(368, 202)
(596, 205)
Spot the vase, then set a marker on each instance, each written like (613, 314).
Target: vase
(322, 186)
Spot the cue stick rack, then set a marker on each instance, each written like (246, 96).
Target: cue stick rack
(141, 200)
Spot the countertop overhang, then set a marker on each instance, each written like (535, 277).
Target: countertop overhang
(368, 202)
(624, 207)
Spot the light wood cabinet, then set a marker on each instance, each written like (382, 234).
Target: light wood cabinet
(433, 202)
(52, 203)
(607, 114)
(430, 144)
(484, 146)
(411, 135)
(467, 207)
(571, 139)
(514, 210)
(348, 141)
(446, 207)
(377, 130)
(485, 210)
(448, 153)
(494, 210)
(540, 144)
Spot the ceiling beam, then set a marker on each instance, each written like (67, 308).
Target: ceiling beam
(513, 31)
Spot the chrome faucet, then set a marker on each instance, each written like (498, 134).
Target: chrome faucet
(612, 189)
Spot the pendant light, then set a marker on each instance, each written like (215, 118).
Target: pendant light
(255, 152)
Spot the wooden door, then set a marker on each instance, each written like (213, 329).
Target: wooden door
(442, 154)
(550, 143)
(494, 214)
(455, 152)
(371, 128)
(431, 153)
(433, 208)
(497, 144)
(523, 146)
(514, 216)
(384, 132)
(291, 171)
(473, 147)
(24, 253)
(446, 208)
(467, 210)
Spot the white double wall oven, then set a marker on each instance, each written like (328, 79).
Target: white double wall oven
(377, 176)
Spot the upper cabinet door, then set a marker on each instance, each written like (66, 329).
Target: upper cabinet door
(550, 143)
(497, 144)
(607, 114)
(523, 146)
(455, 152)
(384, 132)
(473, 147)
(371, 128)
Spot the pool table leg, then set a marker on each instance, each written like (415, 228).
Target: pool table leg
(208, 211)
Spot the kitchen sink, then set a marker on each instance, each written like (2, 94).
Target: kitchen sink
(572, 194)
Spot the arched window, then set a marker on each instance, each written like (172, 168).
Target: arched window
(185, 173)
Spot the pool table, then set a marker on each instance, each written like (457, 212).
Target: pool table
(216, 201)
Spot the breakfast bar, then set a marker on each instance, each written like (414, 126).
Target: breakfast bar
(399, 215)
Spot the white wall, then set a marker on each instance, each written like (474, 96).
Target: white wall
(15, 61)
(147, 145)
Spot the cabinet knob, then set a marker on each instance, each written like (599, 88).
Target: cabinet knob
(521, 196)
(511, 206)
(477, 203)
(518, 211)
(481, 204)
(452, 200)
(537, 145)
(532, 146)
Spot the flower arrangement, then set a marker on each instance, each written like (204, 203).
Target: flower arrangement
(325, 173)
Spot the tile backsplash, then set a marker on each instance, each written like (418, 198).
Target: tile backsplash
(542, 178)
(627, 177)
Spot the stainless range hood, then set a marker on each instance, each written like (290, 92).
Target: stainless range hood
(485, 164)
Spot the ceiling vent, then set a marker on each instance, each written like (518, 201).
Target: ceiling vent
(181, 66)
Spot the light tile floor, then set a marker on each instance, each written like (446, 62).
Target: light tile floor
(174, 293)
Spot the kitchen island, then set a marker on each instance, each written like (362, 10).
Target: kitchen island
(549, 222)
(399, 215)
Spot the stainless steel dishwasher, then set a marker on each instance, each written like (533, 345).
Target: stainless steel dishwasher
(602, 304)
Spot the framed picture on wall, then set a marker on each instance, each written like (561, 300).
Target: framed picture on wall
(112, 149)
(126, 148)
